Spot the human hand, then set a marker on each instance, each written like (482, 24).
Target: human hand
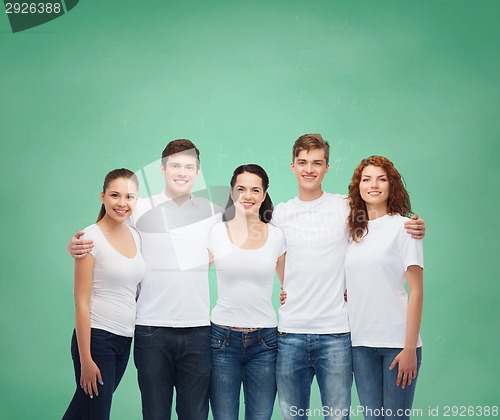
(407, 367)
(89, 376)
(415, 227)
(282, 297)
(79, 248)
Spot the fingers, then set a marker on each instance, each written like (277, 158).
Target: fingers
(79, 249)
(407, 379)
(282, 298)
(417, 234)
(79, 233)
(99, 377)
(82, 244)
(94, 388)
(88, 387)
(417, 231)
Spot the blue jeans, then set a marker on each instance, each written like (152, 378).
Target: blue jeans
(110, 353)
(248, 358)
(300, 357)
(378, 394)
(168, 357)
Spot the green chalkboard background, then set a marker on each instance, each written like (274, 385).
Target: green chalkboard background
(110, 83)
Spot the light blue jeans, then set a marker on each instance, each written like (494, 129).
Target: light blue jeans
(248, 359)
(378, 394)
(300, 357)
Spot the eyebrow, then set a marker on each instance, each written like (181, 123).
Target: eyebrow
(118, 192)
(314, 161)
(242, 186)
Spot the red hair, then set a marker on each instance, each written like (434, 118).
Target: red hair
(398, 202)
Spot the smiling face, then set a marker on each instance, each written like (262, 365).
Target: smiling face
(248, 194)
(374, 189)
(180, 173)
(119, 199)
(310, 168)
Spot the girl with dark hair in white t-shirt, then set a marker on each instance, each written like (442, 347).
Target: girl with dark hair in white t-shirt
(385, 322)
(105, 291)
(247, 250)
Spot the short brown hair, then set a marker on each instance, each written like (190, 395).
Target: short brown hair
(310, 142)
(179, 146)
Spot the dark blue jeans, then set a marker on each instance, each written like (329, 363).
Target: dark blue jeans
(248, 358)
(173, 357)
(110, 353)
(378, 394)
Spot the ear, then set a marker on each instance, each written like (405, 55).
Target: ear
(292, 167)
(327, 168)
(162, 169)
(102, 197)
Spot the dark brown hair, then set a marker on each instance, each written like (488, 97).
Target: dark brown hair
(266, 208)
(111, 176)
(180, 146)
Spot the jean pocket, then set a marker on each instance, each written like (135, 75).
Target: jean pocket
(282, 334)
(341, 335)
(145, 331)
(217, 343)
(270, 342)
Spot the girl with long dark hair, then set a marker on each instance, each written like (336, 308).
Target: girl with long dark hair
(247, 250)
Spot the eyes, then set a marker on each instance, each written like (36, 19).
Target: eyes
(317, 163)
(190, 168)
(253, 190)
(383, 179)
(129, 197)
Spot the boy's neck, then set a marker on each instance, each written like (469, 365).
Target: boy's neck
(180, 199)
(305, 195)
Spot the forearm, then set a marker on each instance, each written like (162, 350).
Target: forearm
(82, 327)
(415, 306)
(413, 322)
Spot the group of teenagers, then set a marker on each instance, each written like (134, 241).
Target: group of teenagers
(345, 264)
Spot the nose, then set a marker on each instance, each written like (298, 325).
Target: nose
(309, 167)
(246, 194)
(122, 201)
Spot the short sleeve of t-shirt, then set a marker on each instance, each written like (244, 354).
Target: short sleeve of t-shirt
(412, 250)
(90, 234)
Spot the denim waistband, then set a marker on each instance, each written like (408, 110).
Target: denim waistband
(254, 334)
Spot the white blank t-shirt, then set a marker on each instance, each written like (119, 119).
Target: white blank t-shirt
(245, 279)
(316, 242)
(174, 237)
(114, 286)
(376, 277)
